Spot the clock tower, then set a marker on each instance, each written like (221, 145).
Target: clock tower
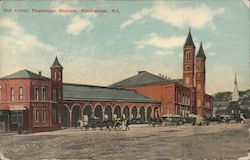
(188, 61)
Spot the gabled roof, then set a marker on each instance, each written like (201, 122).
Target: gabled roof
(189, 40)
(98, 93)
(56, 63)
(201, 52)
(24, 74)
(143, 77)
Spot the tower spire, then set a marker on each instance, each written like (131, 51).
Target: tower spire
(56, 63)
(189, 40)
(201, 52)
(235, 94)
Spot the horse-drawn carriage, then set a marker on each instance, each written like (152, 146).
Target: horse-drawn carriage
(96, 122)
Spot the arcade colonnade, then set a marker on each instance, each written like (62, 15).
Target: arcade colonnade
(71, 113)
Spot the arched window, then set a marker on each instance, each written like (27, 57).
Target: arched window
(59, 75)
(20, 93)
(12, 96)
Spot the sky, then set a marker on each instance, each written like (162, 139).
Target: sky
(105, 47)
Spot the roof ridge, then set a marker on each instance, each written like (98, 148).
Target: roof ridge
(94, 86)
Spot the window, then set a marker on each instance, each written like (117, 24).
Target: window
(198, 102)
(36, 115)
(187, 80)
(16, 116)
(59, 76)
(55, 75)
(53, 115)
(12, 94)
(199, 86)
(44, 94)
(36, 96)
(187, 55)
(54, 94)
(44, 115)
(20, 93)
(59, 93)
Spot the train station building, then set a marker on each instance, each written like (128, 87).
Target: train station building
(42, 103)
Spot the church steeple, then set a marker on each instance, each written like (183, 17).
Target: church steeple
(189, 40)
(235, 94)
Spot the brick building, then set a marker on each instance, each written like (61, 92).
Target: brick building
(42, 104)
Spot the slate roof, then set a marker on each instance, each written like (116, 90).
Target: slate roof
(143, 77)
(98, 93)
(24, 74)
(201, 52)
(189, 40)
(56, 63)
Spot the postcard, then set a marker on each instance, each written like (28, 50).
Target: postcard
(123, 79)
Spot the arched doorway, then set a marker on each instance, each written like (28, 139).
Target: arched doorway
(134, 113)
(156, 112)
(88, 111)
(117, 111)
(126, 112)
(65, 116)
(108, 111)
(76, 114)
(149, 113)
(142, 114)
(98, 112)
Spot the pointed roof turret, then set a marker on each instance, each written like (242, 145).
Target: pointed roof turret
(56, 63)
(189, 40)
(201, 52)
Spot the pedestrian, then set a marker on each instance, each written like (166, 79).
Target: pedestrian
(19, 128)
(127, 124)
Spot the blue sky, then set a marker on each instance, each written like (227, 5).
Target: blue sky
(103, 48)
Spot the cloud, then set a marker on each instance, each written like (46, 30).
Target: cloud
(196, 17)
(156, 41)
(136, 17)
(18, 49)
(163, 52)
(246, 2)
(78, 24)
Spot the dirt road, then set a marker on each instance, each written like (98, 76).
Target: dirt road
(220, 141)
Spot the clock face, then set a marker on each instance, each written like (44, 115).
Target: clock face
(187, 67)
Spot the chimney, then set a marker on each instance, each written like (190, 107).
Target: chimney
(40, 73)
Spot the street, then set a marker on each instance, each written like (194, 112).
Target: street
(216, 141)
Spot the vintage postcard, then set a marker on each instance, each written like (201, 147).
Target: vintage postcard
(124, 79)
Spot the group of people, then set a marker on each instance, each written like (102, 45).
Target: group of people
(94, 122)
